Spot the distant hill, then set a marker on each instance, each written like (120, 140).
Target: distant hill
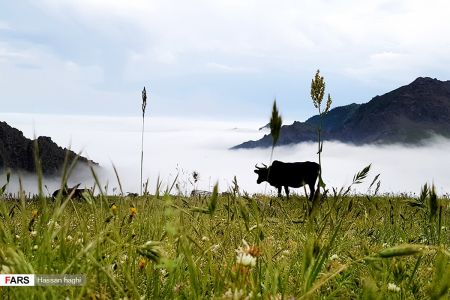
(407, 115)
(16, 152)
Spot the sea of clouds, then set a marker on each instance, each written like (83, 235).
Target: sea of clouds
(178, 147)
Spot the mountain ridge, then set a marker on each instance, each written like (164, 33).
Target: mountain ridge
(17, 152)
(408, 115)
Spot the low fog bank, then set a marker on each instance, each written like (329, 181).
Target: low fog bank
(179, 147)
(29, 182)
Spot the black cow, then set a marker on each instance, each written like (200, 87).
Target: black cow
(286, 175)
(76, 192)
(200, 193)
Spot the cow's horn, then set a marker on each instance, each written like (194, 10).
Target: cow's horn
(256, 166)
(264, 165)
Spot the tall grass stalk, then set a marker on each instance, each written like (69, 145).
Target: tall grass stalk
(275, 128)
(144, 106)
(317, 94)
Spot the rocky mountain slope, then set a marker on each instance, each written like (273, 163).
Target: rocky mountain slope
(16, 152)
(408, 115)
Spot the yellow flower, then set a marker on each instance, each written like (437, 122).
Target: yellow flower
(133, 211)
(34, 213)
(114, 209)
(142, 263)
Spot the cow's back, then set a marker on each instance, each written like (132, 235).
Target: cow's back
(294, 174)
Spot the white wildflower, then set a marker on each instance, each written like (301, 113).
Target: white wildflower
(6, 270)
(123, 258)
(235, 295)
(246, 255)
(51, 222)
(35, 247)
(163, 272)
(69, 238)
(177, 288)
(392, 287)
(17, 236)
(334, 257)
(254, 227)
(33, 233)
(245, 259)
(112, 267)
(205, 238)
(215, 247)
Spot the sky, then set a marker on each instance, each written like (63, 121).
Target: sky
(216, 60)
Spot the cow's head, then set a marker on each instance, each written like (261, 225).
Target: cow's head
(262, 172)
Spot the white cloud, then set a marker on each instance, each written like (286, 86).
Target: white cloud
(222, 68)
(4, 25)
(180, 146)
(238, 50)
(10, 55)
(391, 65)
(34, 76)
(273, 33)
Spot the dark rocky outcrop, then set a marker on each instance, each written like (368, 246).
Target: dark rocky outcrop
(408, 115)
(17, 152)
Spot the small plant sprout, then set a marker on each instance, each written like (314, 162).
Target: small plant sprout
(150, 251)
(3, 188)
(144, 106)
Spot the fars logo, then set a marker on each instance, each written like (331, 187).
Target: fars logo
(16, 279)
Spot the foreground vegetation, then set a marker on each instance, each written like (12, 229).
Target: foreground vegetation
(230, 246)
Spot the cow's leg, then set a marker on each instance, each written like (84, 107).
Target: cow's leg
(286, 189)
(279, 191)
(311, 188)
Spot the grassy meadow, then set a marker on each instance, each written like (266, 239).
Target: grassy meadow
(230, 246)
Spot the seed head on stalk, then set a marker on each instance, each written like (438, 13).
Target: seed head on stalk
(144, 101)
(144, 106)
(317, 94)
(275, 127)
(275, 123)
